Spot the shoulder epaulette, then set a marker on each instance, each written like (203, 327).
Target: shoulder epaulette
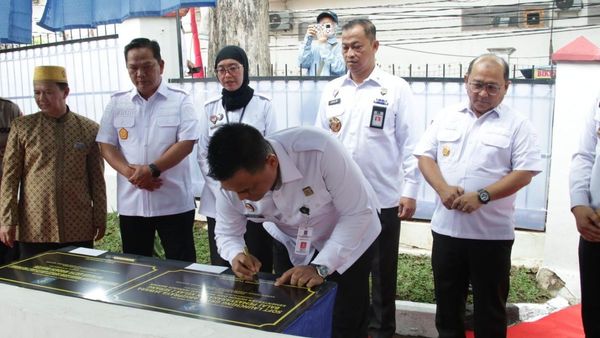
(120, 92)
(262, 96)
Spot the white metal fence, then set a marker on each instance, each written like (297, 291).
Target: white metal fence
(95, 69)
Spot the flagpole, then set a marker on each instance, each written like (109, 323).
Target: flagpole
(179, 52)
(196, 42)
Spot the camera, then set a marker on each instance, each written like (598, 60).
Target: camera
(323, 29)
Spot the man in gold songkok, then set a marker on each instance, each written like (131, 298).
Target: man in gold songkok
(52, 193)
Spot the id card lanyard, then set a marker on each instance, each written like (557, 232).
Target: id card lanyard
(241, 115)
(304, 237)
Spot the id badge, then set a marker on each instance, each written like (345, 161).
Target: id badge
(303, 240)
(378, 117)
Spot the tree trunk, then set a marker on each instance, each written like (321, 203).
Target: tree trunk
(244, 24)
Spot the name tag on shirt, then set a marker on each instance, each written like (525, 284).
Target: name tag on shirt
(378, 117)
(303, 240)
(335, 101)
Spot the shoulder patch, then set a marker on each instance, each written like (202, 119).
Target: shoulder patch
(262, 96)
(309, 138)
(212, 99)
(120, 92)
(176, 89)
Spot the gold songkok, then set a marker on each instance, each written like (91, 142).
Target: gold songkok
(50, 73)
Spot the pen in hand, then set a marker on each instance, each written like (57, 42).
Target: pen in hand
(251, 266)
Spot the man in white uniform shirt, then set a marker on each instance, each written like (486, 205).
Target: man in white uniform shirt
(146, 134)
(476, 155)
(585, 205)
(312, 198)
(371, 113)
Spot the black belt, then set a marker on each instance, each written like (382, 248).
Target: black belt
(4, 130)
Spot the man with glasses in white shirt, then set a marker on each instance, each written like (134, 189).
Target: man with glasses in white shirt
(476, 156)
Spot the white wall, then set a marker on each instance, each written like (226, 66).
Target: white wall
(576, 87)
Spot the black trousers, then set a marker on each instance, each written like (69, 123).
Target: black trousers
(589, 273)
(8, 254)
(486, 264)
(176, 234)
(351, 309)
(27, 250)
(384, 274)
(258, 240)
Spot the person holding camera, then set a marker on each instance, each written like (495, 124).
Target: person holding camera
(324, 56)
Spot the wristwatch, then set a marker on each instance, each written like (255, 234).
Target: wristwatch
(483, 195)
(322, 270)
(154, 170)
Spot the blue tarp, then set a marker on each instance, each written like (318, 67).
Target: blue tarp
(66, 14)
(15, 21)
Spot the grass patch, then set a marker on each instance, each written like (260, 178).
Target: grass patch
(112, 239)
(415, 279)
(415, 282)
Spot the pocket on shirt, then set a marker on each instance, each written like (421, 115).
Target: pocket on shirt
(496, 140)
(167, 129)
(317, 202)
(494, 149)
(448, 145)
(125, 126)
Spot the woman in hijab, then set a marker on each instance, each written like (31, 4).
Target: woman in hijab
(237, 103)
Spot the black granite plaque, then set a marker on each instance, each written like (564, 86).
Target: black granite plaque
(73, 274)
(166, 286)
(220, 297)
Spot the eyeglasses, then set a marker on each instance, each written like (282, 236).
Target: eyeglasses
(232, 69)
(491, 88)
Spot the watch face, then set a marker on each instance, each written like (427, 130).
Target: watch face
(484, 196)
(322, 271)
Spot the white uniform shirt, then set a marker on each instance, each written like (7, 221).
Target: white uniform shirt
(143, 131)
(258, 113)
(585, 167)
(316, 173)
(473, 153)
(383, 154)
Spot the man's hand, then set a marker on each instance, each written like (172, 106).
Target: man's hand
(302, 275)
(7, 235)
(406, 208)
(588, 223)
(142, 178)
(245, 266)
(468, 202)
(100, 231)
(449, 194)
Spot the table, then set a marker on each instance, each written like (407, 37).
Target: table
(173, 288)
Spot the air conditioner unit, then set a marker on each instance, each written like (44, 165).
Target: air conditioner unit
(533, 18)
(280, 21)
(568, 5)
